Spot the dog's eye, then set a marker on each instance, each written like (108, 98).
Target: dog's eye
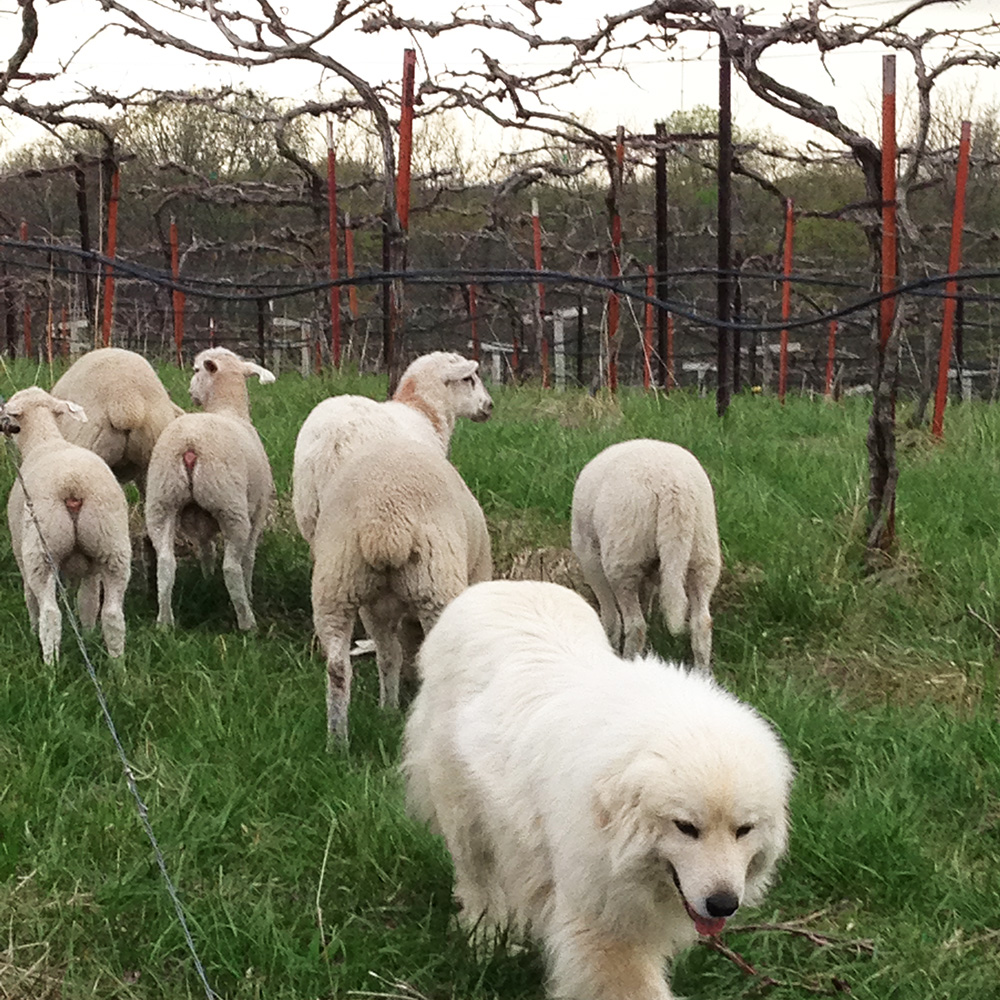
(742, 831)
(688, 829)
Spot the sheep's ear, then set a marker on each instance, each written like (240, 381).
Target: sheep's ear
(210, 366)
(75, 410)
(249, 368)
(462, 369)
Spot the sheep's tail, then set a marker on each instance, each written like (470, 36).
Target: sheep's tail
(385, 544)
(675, 530)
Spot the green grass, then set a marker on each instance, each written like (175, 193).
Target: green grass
(302, 876)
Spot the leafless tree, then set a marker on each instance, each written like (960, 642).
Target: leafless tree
(253, 33)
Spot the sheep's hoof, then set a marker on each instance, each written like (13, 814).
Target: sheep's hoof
(337, 742)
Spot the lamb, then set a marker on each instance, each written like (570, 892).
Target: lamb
(127, 408)
(399, 535)
(66, 511)
(644, 515)
(434, 391)
(208, 475)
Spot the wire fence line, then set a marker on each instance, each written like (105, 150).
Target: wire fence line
(291, 318)
(70, 612)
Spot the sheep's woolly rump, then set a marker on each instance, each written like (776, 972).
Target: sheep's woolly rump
(644, 520)
(126, 404)
(612, 809)
(208, 475)
(81, 514)
(400, 536)
(434, 391)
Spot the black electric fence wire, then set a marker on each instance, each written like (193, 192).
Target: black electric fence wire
(252, 293)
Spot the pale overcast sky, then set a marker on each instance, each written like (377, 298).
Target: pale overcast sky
(658, 85)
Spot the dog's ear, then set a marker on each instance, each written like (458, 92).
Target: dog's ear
(623, 797)
(760, 871)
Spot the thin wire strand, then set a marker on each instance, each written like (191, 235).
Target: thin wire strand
(102, 701)
(445, 276)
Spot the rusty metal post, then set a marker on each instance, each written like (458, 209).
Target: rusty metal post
(177, 297)
(951, 286)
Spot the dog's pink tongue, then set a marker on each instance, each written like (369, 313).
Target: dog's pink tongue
(706, 926)
(709, 928)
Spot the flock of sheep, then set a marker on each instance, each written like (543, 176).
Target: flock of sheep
(394, 532)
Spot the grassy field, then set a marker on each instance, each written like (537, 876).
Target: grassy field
(301, 875)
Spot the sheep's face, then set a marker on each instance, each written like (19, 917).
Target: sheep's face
(447, 382)
(201, 381)
(472, 398)
(207, 366)
(34, 398)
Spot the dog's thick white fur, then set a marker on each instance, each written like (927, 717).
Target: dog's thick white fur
(611, 809)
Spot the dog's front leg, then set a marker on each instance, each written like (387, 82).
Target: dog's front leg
(586, 963)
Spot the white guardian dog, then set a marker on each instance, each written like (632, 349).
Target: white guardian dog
(612, 809)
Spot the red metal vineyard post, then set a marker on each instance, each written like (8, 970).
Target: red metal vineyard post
(543, 341)
(27, 304)
(177, 296)
(49, 334)
(951, 287)
(647, 340)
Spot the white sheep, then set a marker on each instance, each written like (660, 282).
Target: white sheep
(644, 516)
(209, 474)
(434, 391)
(127, 408)
(399, 535)
(66, 511)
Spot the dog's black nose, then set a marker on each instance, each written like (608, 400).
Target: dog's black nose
(722, 904)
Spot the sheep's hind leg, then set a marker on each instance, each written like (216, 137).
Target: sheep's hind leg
(383, 627)
(113, 612)
(234, 554)
(626, 593)
(49, 619)
(162, 531)
(701, 622)
(593, 573)
(31, 601)
(334, 631)
(88, 600)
